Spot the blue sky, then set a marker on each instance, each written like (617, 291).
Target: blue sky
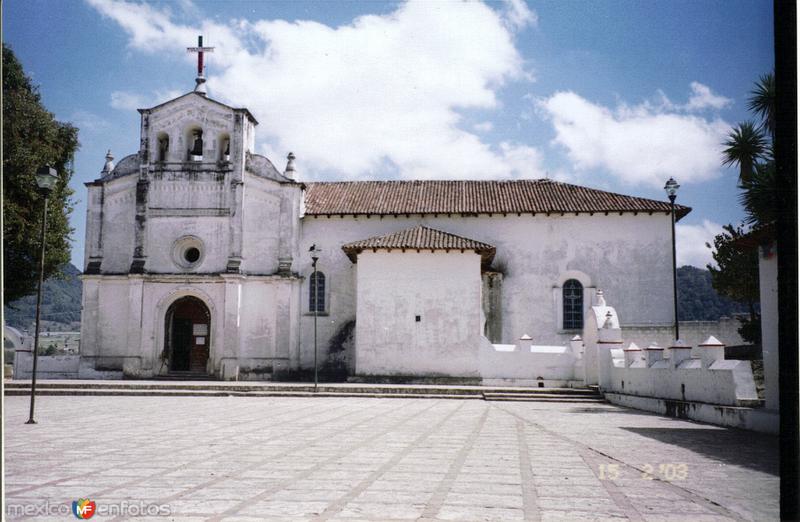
(613, 95)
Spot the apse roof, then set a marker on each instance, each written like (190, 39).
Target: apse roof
(420, 238)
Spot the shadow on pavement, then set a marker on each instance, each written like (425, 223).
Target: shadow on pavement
(749, 449)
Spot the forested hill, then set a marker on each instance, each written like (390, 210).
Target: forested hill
(61, 302)
(698, 301)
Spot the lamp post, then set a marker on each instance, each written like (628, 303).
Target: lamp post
(315, 292)
(46, 179)
(672, 191)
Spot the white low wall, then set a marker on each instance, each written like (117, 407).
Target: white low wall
(525, 364)
(508, 361)
(58, 367)
(728, 383)
(673, 379)
(755, 419)
(47, 366)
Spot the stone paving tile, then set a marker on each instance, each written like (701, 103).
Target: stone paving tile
(363, 459)
(484, 500)
(282, 508)
(582, 516)
(449, 512)
(380, 511)
(393, 497)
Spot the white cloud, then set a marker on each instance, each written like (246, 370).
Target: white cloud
(127, 101)
(88, 121)
(703, 98)
(130, 101)
(518, 15)
(690, 241)
(380, 93)
(484, 126)
(644, 144)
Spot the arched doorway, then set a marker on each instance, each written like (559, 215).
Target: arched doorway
(188, 329)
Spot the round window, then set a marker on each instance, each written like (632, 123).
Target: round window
(191, 254)
(187, 252)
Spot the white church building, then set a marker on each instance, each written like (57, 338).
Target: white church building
(199, 252)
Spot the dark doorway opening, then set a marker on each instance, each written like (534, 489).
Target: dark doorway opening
(188, 329)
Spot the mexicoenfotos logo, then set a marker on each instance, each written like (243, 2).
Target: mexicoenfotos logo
(83, 508)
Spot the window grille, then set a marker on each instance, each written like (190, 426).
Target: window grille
(572, 294)
(316, 292)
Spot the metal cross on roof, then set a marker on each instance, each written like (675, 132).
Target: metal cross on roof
(200, 50)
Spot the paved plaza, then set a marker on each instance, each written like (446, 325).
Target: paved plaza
(235, 458)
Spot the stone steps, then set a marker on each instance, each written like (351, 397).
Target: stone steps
(269, 389)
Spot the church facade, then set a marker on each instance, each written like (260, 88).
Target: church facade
(203, 258)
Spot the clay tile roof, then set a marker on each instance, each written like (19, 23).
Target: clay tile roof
(470, 197)
(420, 238)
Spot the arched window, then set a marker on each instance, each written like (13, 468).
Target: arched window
(316, 292)
(194, 140)
(163, 146)
(572, 293)
(224, 142)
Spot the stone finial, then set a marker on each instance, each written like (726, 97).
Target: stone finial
(109, 165)
(653, 354)
(576, 345)
(525, 343)
(289, 172)
(711, 341)
(600, 299)
(609, 322)
(711, 350)
(632, 354)
(679, 351)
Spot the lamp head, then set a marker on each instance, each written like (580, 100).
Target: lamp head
(671, 188)
(46, 179)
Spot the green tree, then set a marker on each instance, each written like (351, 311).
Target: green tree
(31, 138)
(746, 144)
(762, 102)
(749, 145)
(736, 277)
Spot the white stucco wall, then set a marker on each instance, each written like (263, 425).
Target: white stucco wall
(443, 289)
(527, 364)
(725, 382)
(252, 321)
(628, 256)
(270, 224)
(116, 209)
(768, 288)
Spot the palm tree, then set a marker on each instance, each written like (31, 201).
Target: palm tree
(759, 194)
(746, 144)
(762, 102)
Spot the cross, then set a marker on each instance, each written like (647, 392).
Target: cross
(200, 50)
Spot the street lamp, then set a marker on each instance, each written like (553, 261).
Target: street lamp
(46, 179)
(672, 191)
(315, 292)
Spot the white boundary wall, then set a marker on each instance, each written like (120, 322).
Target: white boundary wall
(705, 387)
